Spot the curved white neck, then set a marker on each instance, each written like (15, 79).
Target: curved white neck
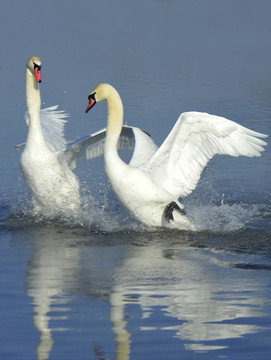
(33, 105)
(113, 163)
(114, 121)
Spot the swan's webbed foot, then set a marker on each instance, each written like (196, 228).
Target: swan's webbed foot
(168, 212)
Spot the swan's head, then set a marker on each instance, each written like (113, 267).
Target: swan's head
(101, 92)
(34, 66)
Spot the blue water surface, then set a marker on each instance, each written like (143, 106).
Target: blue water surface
(102, 286)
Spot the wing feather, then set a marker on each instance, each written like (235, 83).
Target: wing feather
(92, 146)
(196, 137)
(53, 125)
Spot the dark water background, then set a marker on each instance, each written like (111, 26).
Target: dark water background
(103, 286)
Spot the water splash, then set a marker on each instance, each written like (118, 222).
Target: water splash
(98, 214)
(225, 217)
(103, 213)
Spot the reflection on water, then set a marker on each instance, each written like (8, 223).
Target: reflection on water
(51, 266)
(117, 316)
(196, 295)
(207, 309)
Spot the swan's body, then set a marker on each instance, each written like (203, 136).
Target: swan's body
(54, 187)
(151, 190)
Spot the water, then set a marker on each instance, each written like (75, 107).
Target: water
(102, 286)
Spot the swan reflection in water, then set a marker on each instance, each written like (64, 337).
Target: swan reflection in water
(196, 287)
(52, 264)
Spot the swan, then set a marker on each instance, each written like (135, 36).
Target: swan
(48, 160)
(151, 190)
(54, 187)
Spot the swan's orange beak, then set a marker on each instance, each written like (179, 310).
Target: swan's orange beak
(38, 74)
(91, 103)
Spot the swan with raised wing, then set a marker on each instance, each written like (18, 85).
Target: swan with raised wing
(47, 160)
(151, 190)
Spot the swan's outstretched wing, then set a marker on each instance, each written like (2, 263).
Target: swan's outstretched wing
(92, 146)
(193, 141)
(53, 123)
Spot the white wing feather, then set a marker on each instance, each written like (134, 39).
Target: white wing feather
(53, 123)
(92, 146)
(194, 140)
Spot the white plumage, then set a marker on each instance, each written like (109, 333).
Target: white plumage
(53, 123)
(151, 190)
(54, 187)
(193, 141)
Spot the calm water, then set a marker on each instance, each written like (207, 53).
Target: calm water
(101, 286)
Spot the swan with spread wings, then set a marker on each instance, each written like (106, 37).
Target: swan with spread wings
(151, 190)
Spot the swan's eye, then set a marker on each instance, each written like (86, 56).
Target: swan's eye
(37, 66)
(92, 96)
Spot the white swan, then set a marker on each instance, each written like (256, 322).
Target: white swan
(151, 191)
(53, 185)
(47, 159)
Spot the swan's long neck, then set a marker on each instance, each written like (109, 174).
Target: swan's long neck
(33, 101)
(114, 123)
